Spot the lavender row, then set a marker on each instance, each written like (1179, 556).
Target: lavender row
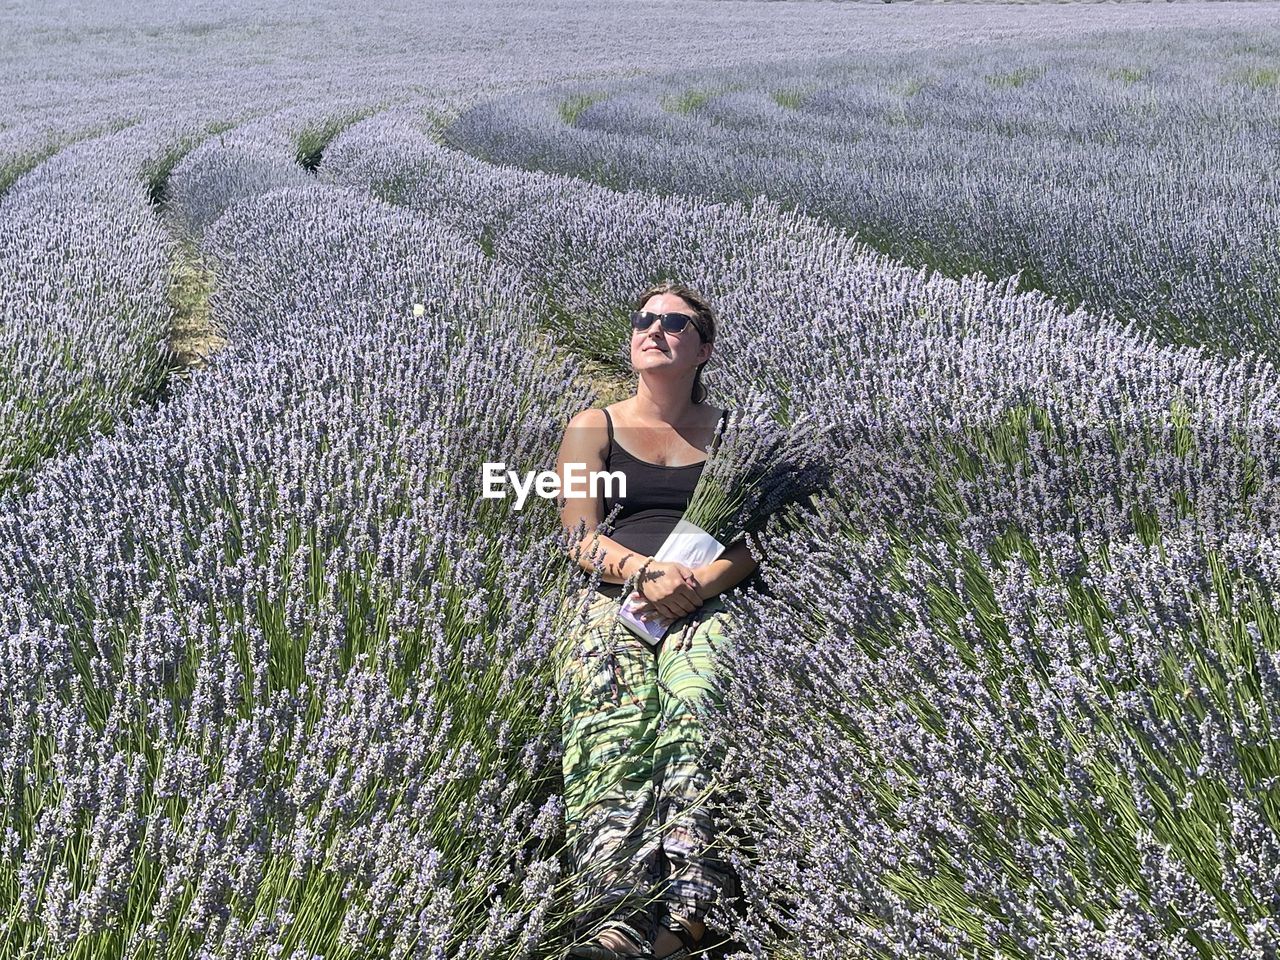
(1066, 751)
(1117, 174)
(84, 273)
(290, 673)
(93, 62)
(253, 158)
(960, 718)
(958, 405)
(284, 669)
(24, 146)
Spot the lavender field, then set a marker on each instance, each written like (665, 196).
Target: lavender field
(275, 677)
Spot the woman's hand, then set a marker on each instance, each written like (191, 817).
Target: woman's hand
(668, 591)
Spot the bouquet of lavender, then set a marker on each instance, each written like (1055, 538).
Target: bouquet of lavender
(755, 468)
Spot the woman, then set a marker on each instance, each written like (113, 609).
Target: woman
(635, 790)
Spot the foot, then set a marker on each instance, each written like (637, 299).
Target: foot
(622, 937)
(667, 942)
(617, 940)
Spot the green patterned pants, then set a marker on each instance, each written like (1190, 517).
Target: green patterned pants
(637, 774)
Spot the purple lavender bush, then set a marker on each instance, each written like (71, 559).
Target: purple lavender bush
(1112, 171)
(285, 667)
(958, 403)
(249, 160)
(276, 677)
(998, 454)
(1059, 752)
(84, 273)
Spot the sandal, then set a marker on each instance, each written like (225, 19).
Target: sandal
(690, 943)
(627, 927)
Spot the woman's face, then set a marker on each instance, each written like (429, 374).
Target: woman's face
(656, 350)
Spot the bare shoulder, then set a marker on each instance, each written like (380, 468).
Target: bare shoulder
(593, 418)
(587, 430)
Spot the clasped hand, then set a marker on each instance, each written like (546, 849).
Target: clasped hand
(667, 591)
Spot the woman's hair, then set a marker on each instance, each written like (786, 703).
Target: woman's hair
(703, 313)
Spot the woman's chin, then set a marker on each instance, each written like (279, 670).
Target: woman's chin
(654, 357)
(656, 365)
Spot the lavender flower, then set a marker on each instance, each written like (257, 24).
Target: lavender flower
(756, 468)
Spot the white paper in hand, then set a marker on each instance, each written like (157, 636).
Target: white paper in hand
(688, 544)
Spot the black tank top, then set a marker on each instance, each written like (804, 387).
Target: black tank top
(656, 499)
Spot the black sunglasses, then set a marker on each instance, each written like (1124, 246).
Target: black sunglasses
(671, 322)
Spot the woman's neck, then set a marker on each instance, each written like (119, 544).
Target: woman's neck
(668, 403)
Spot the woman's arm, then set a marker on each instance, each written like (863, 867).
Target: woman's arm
(585, 441)
(726, 571)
